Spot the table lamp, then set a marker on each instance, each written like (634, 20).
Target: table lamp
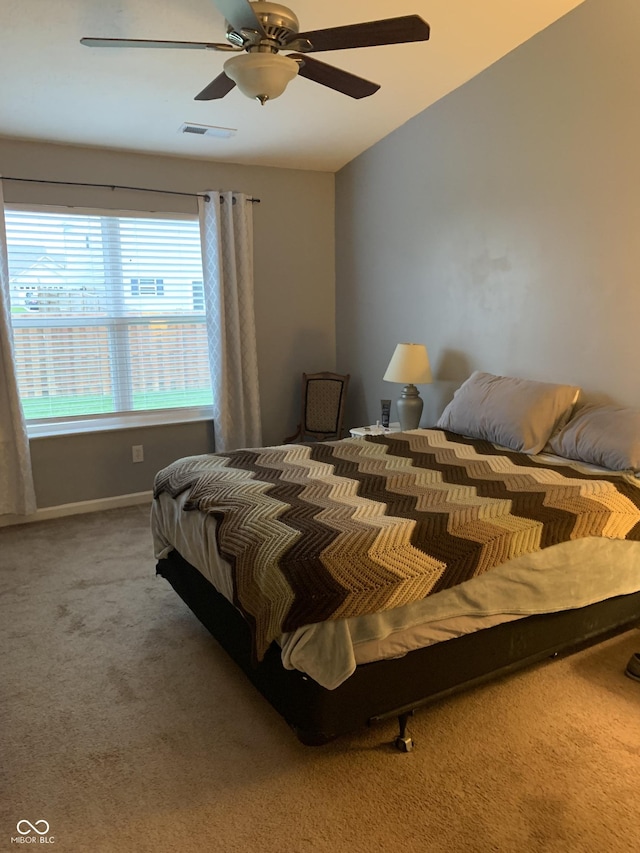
(409, 365)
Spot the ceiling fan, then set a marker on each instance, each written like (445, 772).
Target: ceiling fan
(258, 31)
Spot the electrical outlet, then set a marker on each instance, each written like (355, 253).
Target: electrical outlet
(137, 453)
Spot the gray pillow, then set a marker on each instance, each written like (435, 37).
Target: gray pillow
(608, 436)
(519, 414)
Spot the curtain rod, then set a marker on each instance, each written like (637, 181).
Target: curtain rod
(118, 187)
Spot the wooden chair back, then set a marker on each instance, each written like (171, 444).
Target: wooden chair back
(323, 400)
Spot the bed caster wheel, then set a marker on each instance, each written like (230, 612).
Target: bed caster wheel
(403, 744)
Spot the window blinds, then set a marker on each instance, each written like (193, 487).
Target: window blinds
(107, 313)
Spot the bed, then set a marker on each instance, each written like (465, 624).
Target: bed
(360, 579)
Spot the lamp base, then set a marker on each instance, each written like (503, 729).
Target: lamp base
(409, 405)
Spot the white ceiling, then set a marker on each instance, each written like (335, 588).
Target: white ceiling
(54, 89)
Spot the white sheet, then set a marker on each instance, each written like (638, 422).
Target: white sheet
(569, 575)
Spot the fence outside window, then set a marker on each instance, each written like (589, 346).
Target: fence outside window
(107, 313)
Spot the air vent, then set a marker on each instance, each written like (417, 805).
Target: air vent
(208, 130)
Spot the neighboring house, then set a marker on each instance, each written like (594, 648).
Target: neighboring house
(41, 280)
(36, 280)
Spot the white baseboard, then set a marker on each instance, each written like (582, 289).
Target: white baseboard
(77, 508)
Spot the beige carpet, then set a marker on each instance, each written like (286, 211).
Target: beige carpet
(126, 728)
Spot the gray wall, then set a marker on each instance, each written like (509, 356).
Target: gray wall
(294, 294)
(500, 226)
(96, 465)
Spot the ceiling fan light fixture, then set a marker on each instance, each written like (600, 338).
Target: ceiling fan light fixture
(261, 76)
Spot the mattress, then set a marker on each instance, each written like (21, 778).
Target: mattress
(564, 576)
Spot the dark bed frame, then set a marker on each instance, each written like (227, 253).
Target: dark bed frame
(394, 688)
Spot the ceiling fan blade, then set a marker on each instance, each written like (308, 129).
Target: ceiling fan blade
(217, 89)
(240, 14)
(186, 45)
(369, 34)
(334, 78)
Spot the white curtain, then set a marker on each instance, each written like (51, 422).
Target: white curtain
(226, 228)
(17, 496)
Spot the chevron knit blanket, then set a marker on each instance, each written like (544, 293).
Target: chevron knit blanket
(344, 528)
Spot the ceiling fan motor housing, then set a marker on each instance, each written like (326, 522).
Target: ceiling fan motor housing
(278, 22)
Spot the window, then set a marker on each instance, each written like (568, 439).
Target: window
(107, 313)
(147, 287)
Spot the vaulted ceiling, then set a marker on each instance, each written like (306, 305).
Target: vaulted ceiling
(52, 88)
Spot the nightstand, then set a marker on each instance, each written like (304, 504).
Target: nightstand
(375, 429)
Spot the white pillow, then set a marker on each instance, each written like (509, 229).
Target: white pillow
(608, 436)
(520, 414)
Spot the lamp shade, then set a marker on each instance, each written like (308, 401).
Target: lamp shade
(410, 365)
(263, 76)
